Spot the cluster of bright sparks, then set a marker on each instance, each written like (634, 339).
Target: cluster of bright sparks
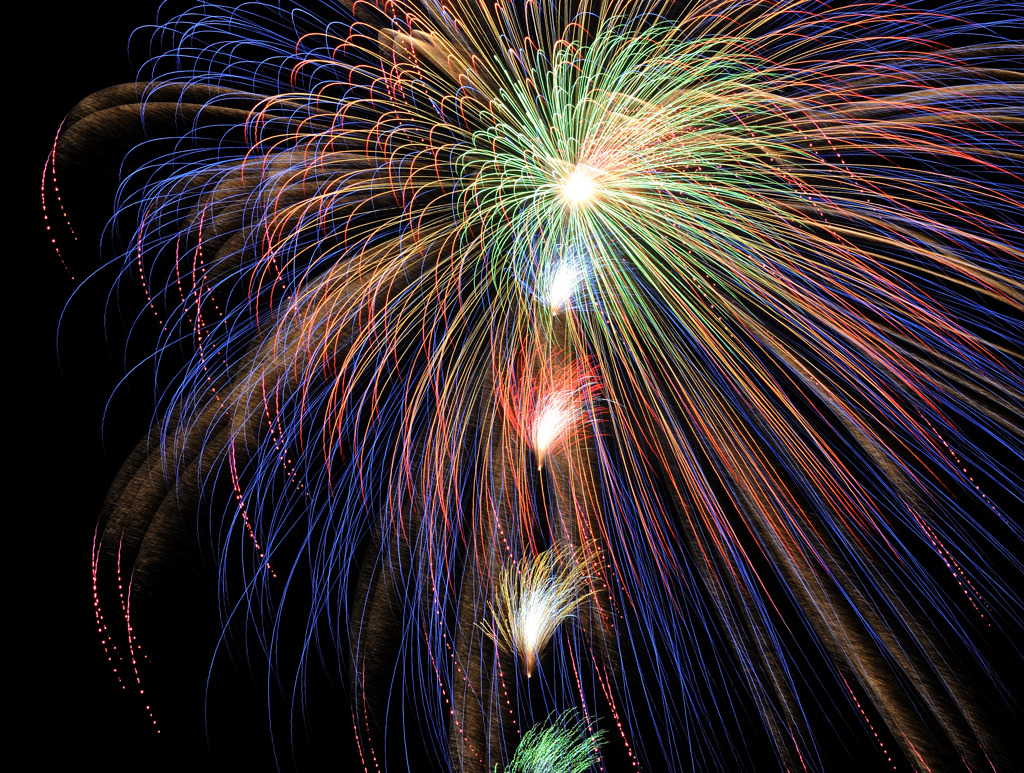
(565, 745)
(536, 595)
(640, 342)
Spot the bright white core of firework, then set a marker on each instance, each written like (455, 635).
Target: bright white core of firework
(579, 187)
(561, 285)
(539, 616)
(554, 413)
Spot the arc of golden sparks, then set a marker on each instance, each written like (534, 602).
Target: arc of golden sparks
(537, 594)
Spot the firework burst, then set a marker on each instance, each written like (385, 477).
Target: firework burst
(565, 745)
(534, 597)
(728, 292)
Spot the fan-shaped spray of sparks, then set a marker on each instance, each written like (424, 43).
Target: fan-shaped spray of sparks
(562, 282)
(535, 596)
(565, 745)
(554, 414)
(416, 246)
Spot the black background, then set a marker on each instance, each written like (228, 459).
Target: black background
(74, 428)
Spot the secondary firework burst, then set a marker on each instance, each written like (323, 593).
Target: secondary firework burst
(564, 744)
(536, 595)
(555, 413)
(729, 291)
(558, 284)
(550, 403)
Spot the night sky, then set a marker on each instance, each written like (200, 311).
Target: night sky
(74, 708)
